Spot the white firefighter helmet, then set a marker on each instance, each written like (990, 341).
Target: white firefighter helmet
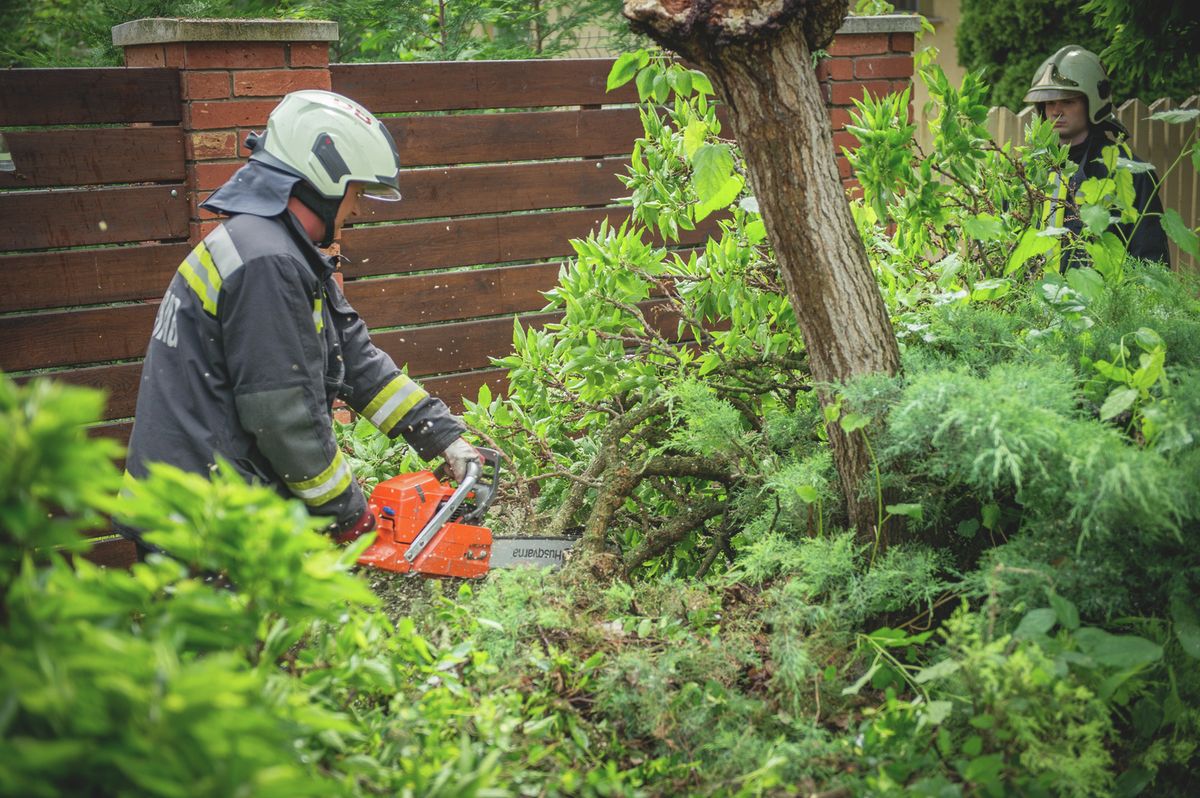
(330, 141)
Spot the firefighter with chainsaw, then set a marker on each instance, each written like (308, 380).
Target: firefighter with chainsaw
(1072, 89)
(254, 339)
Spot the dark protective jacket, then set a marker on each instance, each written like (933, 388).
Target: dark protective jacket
(1147, 240)
(253, 342)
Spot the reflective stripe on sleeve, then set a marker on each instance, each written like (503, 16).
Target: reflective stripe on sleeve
(326, 486)
(392, 403)
(210, 264)
(318, 317)
(224, 254)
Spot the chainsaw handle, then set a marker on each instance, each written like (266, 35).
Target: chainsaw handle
(485, 486)
(474, 469)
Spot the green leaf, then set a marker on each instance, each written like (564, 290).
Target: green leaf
(1147, 339)
(1036, 623)
(645, 84)
(722, 199)
(1120, 400)
(1178, 231)
(807, 493)
(712, 166)
(968, 528)
(693, 137)
(1123, 652)
(983, 227)
(662, 88)
(623, 70)
(681, 81)
(973, 745)
(1065, 611)
(1031, 245)
(1176, 117)
(854, 421)
(914, 511)
(987, 290)
(701, 83)
(1087, 281)
(1095, 217)
(938, 711)
(862, 681)
(938, 671)
(1187, 626)
(990, 514)
(756, 231)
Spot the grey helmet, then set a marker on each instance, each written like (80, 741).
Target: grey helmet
(1070, 72)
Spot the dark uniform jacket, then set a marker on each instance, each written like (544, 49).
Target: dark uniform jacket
(1148, 241)
(253, 342)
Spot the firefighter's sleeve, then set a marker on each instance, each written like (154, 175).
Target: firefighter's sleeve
(380, 392)
(276, 367)
(1148, 240)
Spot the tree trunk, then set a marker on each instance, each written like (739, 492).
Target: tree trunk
(760, 62)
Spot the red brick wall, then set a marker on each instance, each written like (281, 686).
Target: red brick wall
(228, 90)
(874, 63)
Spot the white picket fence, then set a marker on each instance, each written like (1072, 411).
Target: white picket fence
(1159, 143)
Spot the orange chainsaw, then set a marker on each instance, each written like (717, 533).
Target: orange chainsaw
(424, 526)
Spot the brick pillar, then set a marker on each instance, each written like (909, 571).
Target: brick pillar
(232, 73)
(872, 55)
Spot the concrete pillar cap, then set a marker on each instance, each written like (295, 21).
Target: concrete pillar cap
(168, 30)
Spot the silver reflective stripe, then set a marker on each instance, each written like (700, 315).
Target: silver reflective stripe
(342, 472)
(225, 255)
(204, 276)
(405, 391)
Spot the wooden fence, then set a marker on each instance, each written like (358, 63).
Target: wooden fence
(1157, 142)
(504, 163)
(92, 224)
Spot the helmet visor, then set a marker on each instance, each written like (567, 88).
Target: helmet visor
(381, 191)
(1050, 94)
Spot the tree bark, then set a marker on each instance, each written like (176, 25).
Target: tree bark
(758, 55)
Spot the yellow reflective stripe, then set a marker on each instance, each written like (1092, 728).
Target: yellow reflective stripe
(206, 260)
(127, 483)
(327, 485)
(392, 403)
(1054, 214)
(318, 317)
(199, 287)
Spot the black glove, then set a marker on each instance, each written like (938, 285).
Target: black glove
(364, 524)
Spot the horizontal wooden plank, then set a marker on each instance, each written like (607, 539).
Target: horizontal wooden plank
(112, 553)
(89, 96)
(65, 338)
(449, 296)
(462, 346)
(461, 85)
(45, 219)
(120, 381)
(91, 335)
(453, 388)
(87, 276)
(468, 190)
(416, 246)
(521, 136)
(48, 158)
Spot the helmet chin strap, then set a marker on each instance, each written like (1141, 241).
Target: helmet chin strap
(324, 207)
